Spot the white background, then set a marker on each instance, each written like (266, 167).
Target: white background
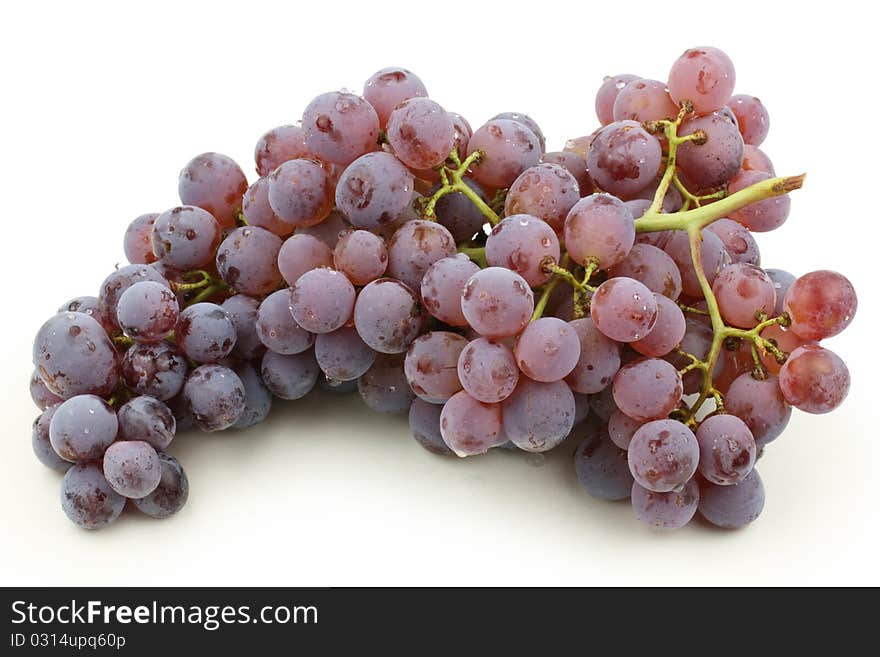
(102, 105)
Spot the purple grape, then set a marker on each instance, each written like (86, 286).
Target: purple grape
(243, 311)
(782, 280)
(623, 309)
(389, 87)
(668, 331)
(322, 300)
(599, 358)
(602, 404)
(205, 333)
(497, 302)
(257, 397)
(509, 148)
(548, 349)
(431, 365)
(82, 428)
(424, 423)
(387, 316)
(652, 267)
(87, 499)
(302, 253)
(301, 192)
(157, 370)
(523, 243)
(621, 429)
(328, 231)
(576, 166)
(470, 427)
(760, 216)
(415, 246)
(712, 163)
(117, 283)
(744, 292)
(132, 468)
(148, 419)
(737, 240)
(277, 329)
(487, 370)
(623, 158)
(599, 226)
(442, 286)
(374, 190)
(546, 191)
(42, 396)
(137, 242)
(384, 388)
(814, 379)
(663, 455)
(215, 183)
(421, 133)
(760, 404)
(91, 306)
(528, 122)
(339, 127)
(820, 304)
(289, 376)
(601, 468)
(361, 256)
(42, 445)
(671, 510)
(170, 495)
(215, 396)
(247, 260)
(733, 507)
(607, 95)
(147, 312)
(705, 76)
(727, 449)
(185, 237)
(647, 389)
(458, 213)
(644, 100)
(74, 356)
(538, 416)
(259, 213)
(714, 257)
(277, 146)
(342, 355)
(751, 117)
(754, 159)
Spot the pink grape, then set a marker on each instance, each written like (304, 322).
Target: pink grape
(215, 183)
(663, 455)
(623, 158)
(247, 260)
(752, 117)
(487, 370)
(339, 127)
(389, 87)
(414, 247)
(602, 404)
(623, 309)
(545, 191)
(760, 404)
(705, 76)
(644, 100)
(470, 427)
(738, 241)
(601, 467)
(672, 510)
(782, 280)
(421, 133)
(743, 291)
(733, 507)
(608, 93)
(424, 423)
(289, 376)
(300, 192)
(431, 365)
(668, 331)
(575, 165)
(328, 231)
(458, 213)
(714, 162)
(621, 428)
(277, 329)
(785, 339)
(528, 122)
(384, 388)
(361, 256)
(814, 379)
(388, 316)
(374, 190)
(727, 449)
(442, 286)
(761, 216)
(147, 312)
(538, 416)
(342, 355)
(599, 226)
(277, 146)
(302, 253)
(258, 212)
(820, 304)
(185, 237)
(647, 389)
(509, 147)
(497, 302)
(713, 255)
(523, 243)
(599, 358)
(754, 159)
(322, 300)
(136, 243)
(653, 267)
(548, 349)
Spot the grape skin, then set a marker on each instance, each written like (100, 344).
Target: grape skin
(705, 76)
(523, 243)
(727, 449)
(170, 495)
(733, 507)
(87, 499)
(820, 304)
(328, 231)
(623, 309)
(644, 100)
(259, 214)
(548, 349)
(384, 387)
(601, 468)
(147, 312)
(546, 191)
(247, 260)
(42, 445)
(342, 355)
(185, 237)
(431, 365)
(672, 510)
(442, 286)
(421, 133)
(74, 356)
(623, 158)
(424, 423)
(651, 266)
(743, 291)
(598, 361)
(607, 94)
(91, 306)
(301, 253)
(300, 192)
(339, 127)
(243, 311)
(414, 247)
(663, 455)
(668, 331)
(277, 146)
(785, 340)
(528, 122)
(647, 389)
(497, 302)
(509, 147)
(761, 216)
(814, 379)
(213, 182)
(374, 190)
(205, 333)
(782, 280)
(289, 376)
(713, 163)
(147, 419)
(487, 370)
(361, 256)
(760, 404)
(82, 428)
(621, 429)
(470, 427)
(215, 396)
(458, 213)
(754, 159)
(132, 468)
(257, 397)
(389, 87)
(136, 242)
(575, 165)
(752, 118)
(157, 370)
(322, 300)
(713, 255)
(602, 404)
(117, 283)
(42, 396)
(737, 241)
(538, 416)
(388, 316)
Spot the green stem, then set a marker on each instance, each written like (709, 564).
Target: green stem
(475, 253)
(564, 262)
(216, 287)
(452, 180)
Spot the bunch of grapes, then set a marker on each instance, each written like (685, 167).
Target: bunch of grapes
(500, 294)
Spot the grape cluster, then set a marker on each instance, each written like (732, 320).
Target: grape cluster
(501, 295)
